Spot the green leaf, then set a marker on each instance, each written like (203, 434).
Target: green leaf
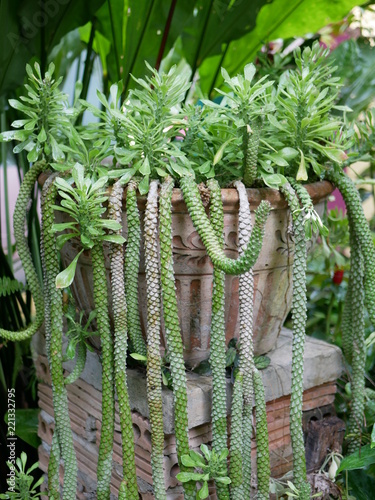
(223, 480)
(261, 362)
(144, 185)
(113, 238)
(197, 457)
(219, 154)
(188, 461)
(145, 167)
(203, 492)
(27, 425)
(66, 277)
(302, 172)
(184, 477)
(206, 452)
(138, 357)
(361, 458)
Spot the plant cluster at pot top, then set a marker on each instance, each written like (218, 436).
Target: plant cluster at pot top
(261, 133)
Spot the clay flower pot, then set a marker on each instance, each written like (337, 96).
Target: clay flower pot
(193, 271)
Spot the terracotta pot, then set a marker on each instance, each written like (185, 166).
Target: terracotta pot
(193, 272)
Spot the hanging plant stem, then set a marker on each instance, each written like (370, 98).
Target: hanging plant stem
(54, 329)
(246, 305)
(210, 239)
(236, 443)
(104, 471)
(172, 329)
(298, 346)
(81, 354)
(250, 144)
(154, 393)
(19, 217)
(217, 341)
(360, 227)
(263, 450)
(120, 349)
(131, 270)
(54, 460)
(357, 349)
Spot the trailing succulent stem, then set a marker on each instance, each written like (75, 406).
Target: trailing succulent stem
(172, 328)
(129, 484)
(131, 270)
(104, 471)
(217, 343)
(54, 329)
(236, 443)
(23, 250)
(250, 145)
(210, 239)
(358, 349)
(81, 355)
(54, 460)
(360, 227)
(263, 452)
(154, 393)
(246, 296)
(298, 347)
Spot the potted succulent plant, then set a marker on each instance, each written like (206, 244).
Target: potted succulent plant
(273, 136)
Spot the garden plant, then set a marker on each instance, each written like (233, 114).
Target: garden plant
(279, 134)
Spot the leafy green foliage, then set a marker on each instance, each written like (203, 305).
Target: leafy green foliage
(23, 487)
(47, 122)
(210, 466)
(27, 425)
(9, 286)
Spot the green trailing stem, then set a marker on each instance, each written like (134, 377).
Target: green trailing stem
(246, 305)
(236, 444)
(81, 354)
(54, 460)
(54, 329)
(172, 329)
(131, 270)
(360, 227)
(154, 392)
(210, 239)
(217, 340)
(298, 346)
(263, 452)
(120, 349)
(104, 471)
(346, 324)
(19, 217)
(358, 349)
(250, 145)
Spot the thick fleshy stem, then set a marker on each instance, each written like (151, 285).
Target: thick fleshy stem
(54, 329)
(172, 329)
(54, 460)
(154, 391)
(131, 270)
(298, 346)
(209, 238)
(19, 216)
(81, 353)
(120, 348)
(236, 444)
(263, 451)
(362, 233)
(104, 470)
(217, 342)
(251, 139)
(357, 348)
(246, 304)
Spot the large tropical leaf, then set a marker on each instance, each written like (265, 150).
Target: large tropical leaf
(279, 19)
(30, 28)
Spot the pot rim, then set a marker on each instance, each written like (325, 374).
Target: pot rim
(318, 191)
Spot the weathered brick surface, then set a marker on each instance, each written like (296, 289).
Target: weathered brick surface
(85, 414)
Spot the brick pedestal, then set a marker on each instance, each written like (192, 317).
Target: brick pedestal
(322, 367)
